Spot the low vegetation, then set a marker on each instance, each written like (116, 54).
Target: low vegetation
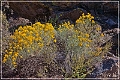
(81, 44)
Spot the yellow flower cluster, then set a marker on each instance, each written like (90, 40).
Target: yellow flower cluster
(25, 37)
(13, 55)
(98, 28)
(97, 52)
(102, 34)
(84, 39)
(66, 25)
(84, 17)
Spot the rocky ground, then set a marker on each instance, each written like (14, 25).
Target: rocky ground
(105, 13)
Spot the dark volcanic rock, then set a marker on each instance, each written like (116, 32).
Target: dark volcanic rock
(37, 67)
(108, 68)
(30, 10)
(16, 23)
(72, 15)
(101, 7)
(42, 11)
(111, 23)
(30, 67)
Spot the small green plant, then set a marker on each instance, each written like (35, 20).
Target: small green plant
(54, 20)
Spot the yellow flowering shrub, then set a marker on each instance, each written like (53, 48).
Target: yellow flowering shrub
(28, 40)
(82, 44)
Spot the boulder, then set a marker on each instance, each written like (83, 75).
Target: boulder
(16, 23)
(101, 7)
(107, 68)
(71, 16)
(31, 10)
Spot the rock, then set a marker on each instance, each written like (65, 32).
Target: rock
(112, 73)
(41, 11)
(107, 21)
(7, 72)
(15, 23)
(111, 23)
(30, 67)
(6, 10)
(112, 35)
(60, 57)
(116, 45)
(31, 10)
(72, 15)
(115, 39)
(101, 7)
(18, 21)
(111, 7)
(116, 30)
(63, 6)
(108, 68)
(37, 67)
